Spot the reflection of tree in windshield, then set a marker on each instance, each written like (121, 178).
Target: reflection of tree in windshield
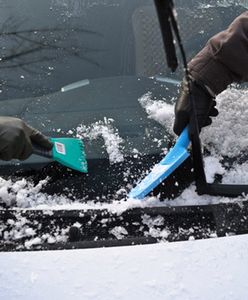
(77, 7)
(36, 52)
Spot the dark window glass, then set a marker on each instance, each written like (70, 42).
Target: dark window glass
(70, 62)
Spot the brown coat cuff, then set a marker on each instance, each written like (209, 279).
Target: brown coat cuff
(224, 59)
(210, 71)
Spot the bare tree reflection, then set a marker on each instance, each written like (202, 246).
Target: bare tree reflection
(31, 50)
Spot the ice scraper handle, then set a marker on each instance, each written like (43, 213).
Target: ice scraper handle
(173, 159)
(184, 140)
(41, 151)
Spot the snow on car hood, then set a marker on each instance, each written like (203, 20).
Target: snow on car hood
(204, 269)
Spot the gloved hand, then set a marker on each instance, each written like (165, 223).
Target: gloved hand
(16, 138)
(204, 103)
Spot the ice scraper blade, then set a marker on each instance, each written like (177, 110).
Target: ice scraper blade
(67, 151)
(174, 158)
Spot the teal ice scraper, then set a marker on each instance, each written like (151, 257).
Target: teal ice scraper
(67, 151)
(174, 158)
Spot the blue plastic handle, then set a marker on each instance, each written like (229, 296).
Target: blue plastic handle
(174, 158)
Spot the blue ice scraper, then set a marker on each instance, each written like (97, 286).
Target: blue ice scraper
(174, 158)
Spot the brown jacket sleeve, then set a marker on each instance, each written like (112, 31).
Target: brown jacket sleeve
(224, 59)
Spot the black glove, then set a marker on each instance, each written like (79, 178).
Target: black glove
(16, 138)
(204, 103)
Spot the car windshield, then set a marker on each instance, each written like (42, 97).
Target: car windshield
(69, 67)
(47, 46)
(76, 67)
(97, 70)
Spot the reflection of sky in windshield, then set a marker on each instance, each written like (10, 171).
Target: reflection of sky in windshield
(92, 59)
(46, 45)
(76, 8)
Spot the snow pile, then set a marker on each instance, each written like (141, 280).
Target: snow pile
(213, 167)
(238, 174)
(228, 134)
(20, 228)
(60, 236)
(104, 129)
(154, 225)
(119, 232)
(25, 194)
(158, 110)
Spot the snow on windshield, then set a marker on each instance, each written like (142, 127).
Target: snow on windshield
(226, 3)
(227, 136)
(112, 140)
(158, 110)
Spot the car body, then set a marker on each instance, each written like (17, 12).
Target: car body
(202, 269)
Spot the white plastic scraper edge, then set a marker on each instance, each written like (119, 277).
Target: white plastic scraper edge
(174, 158)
